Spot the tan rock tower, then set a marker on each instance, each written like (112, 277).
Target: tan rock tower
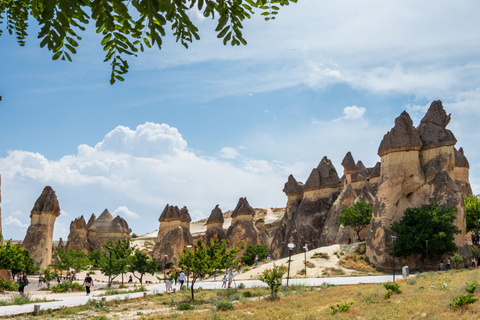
(78, 237)
(1, 234)
(215, 225)
(106, 228)
(39, 238)
(173, 234)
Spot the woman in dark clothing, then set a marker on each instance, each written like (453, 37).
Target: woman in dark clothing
(88, 282)
(22, 282)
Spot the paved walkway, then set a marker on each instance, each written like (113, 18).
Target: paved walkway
(77, 299)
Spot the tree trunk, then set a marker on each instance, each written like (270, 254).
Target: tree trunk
(193, 282)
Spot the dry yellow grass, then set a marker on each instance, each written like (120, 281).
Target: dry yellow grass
(426, 297)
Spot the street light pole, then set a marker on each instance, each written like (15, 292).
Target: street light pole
(393, 240)
(290, 247)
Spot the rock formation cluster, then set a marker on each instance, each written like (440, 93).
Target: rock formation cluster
(39, 237)
(215, 225)
(91, 236)
(1, 234)
(418, 166)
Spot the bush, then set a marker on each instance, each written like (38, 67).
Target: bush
(64, 286)
(247, 294)
(461, 301)
(241, 286)
(412, 282)
(471, 286)
(273, 278)
(248, 257)
(8, 285)
(394, 287)
(457, 258)
(97, 305)
(341, 307)
(224, 305)
(186, 306)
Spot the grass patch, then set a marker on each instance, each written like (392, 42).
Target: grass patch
(358, 262)
(320, 255)
(112, 292)
(332, 272)
(20, 300)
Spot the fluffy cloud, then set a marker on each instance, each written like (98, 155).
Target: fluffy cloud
(353, 112)
(11, 221)
(137, 172)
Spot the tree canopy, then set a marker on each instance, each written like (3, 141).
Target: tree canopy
(259, 250)
(205, 259)
(141, 263)
(120, 252)
(72, 259)
(15, 258)
(357, 216)
(127, 27)
(472, 213)
(432, 223)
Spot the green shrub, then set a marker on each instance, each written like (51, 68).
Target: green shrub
(412, 282)
(186, 306)
(392, 286)
(97, 305)
(341, 307)
(241, 286)
(388, 294)
(65, 285)
(326, 285)
(461, 301)
(8, 285)
(224, 305)
(247, 294)
(471, 286)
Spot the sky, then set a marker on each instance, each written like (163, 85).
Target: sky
(207, 125)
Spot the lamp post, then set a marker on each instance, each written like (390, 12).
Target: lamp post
(393, 241)
(306, 249)
(290, 248)
(165, 266)
(188, 269)
(426, 243)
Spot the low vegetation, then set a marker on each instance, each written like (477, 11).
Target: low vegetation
(364, 301)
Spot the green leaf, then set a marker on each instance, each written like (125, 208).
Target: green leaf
(57, 55)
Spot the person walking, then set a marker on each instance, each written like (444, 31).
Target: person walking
(88, 283)
(168, 282)
(22, 282)
(448, 264)
(40, 280)
(230, 277)
(224, 285)
(473, 262)
(181, 278)
(239, 265)
(256, 260)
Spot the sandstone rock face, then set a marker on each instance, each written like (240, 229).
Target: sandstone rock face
(462, 168)
(243, 227)
(312, 214)
(6, 274)
(173, 234)
(39, 237)
(418, 166)
(106, 228)
(78, 237)
(215, 225)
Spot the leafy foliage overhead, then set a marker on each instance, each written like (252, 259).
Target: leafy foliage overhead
(432, 223)
(127, 27)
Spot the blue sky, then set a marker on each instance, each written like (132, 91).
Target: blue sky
(211, 124)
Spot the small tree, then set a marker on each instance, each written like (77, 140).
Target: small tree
(457, 258)
(72, 259)
(273, 278)
(259, 250)
(432, 223)
(48, 275)
(120, 251)
(357, 216)
(202, 258)
(95, 256)
(142, 264)
(472, 214)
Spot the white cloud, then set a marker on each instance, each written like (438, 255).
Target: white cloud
(353, 112)
(229, 153)
(11, 221)
(123, 211)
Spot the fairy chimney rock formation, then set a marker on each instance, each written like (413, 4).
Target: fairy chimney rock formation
(215, 225)
(418, 166)
(39, 237)
(242, 227)
(78, 237)
(462, 168)
(91, 221)
(106, 228)
(61, 245)
(173, 234)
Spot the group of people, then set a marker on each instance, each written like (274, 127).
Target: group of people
(228, 276)
(475, 239)
(474, 264)
(174, 277)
